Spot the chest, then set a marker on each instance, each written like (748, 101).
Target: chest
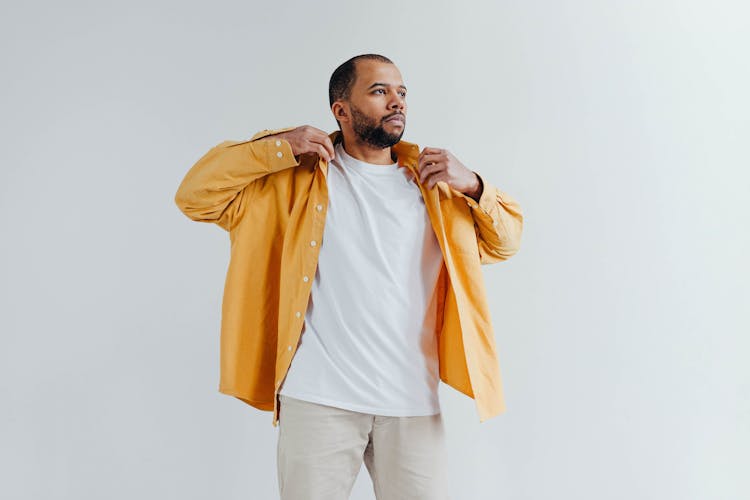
(387, 203)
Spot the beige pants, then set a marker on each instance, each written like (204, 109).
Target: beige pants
(321, 449)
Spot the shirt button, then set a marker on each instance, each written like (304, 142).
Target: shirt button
(305, 279)
(312, 243)
(289, 348)
(279, 154)
(319, 207)
(278, 143)
(298, 314)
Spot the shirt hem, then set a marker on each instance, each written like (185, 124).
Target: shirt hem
(360, 408)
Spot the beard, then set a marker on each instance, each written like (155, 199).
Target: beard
(372, 132)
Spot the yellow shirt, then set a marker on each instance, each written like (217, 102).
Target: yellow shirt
(274, 207)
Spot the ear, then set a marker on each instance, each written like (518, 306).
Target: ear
(340, 111)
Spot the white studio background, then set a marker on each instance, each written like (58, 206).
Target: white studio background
(621, 127)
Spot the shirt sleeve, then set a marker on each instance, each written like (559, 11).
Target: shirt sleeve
(217, 187)
(498, 221)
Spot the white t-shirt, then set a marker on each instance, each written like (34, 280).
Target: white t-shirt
(368, 341)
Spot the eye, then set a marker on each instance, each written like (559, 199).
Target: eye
(402, 93)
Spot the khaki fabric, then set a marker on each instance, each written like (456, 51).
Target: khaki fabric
(321, 449)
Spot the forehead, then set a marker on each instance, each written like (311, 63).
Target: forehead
(371, 71)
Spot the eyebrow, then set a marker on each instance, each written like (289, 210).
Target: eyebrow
(379, 84)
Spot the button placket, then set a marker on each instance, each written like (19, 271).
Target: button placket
(306, 279)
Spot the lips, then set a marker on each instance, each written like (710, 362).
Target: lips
(396, 119)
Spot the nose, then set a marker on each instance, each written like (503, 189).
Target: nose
(397, 102)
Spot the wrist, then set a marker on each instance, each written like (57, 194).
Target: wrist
(476, 191)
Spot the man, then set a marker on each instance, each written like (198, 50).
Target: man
(354, 287)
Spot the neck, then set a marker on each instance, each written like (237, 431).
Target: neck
(367, 153)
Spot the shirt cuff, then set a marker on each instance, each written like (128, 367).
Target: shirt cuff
(486, 199)
(276, 151)
(267, 132)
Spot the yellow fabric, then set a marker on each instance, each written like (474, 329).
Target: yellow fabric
(274, 206)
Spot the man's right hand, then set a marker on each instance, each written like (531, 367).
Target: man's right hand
(308, 139)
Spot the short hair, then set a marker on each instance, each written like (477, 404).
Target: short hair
(342, 79)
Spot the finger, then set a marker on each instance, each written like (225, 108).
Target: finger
(433, 179)
(310, 130)
(432, 158)
(329, 146)
(323, 152)
(430, 150)
(429, 169)
(325, 141)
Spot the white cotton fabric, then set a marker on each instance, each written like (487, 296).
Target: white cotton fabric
(368, 341)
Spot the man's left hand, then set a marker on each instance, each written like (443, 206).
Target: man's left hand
(440, 165)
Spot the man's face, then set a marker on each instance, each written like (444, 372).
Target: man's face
(378, 104)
